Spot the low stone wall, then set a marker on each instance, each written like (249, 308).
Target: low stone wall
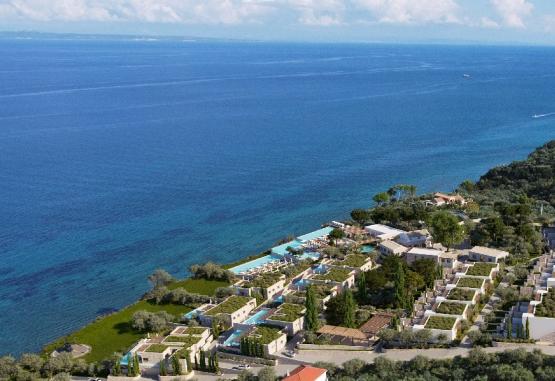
(316, 347)
(182, 377)
(122, 378)
(246, 359)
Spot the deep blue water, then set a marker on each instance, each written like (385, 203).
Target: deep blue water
(120, 157)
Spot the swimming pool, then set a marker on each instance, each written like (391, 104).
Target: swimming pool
(244, 267)
(191, 314)
(310, 255)
(125, 359)
(302, 283)
(233, 339)
(258, 317)
(321, 269)
(367, 249)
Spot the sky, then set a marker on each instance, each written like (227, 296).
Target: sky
(481, 21)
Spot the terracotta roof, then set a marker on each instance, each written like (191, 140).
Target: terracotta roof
(351, 333)
(305, 373)
(376, 323)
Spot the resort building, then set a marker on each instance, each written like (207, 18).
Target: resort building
(375, 324)
(267, 341)
(443, 258)
(442, 199)
(289, 317)
(486, 254)
(356, 262)
(383, 232)
(182, 341)
(333, 276)
(266, 284)
(415, 238)
(440, 326)
(388, 248)
(307, 373)
(233, 310)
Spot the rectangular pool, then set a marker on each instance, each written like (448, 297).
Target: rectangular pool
(254, 264)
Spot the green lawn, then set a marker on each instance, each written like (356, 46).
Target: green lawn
(114, 333)
(199, 286)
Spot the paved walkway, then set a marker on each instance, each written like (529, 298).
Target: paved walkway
(339, 357)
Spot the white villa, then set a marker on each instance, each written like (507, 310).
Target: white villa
(383, 232)
(415, 238)
(486, 254)
(388, 248)
(443, 258)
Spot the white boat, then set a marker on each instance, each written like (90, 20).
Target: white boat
(466, 76)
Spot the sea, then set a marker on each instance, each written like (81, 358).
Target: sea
(118, 157)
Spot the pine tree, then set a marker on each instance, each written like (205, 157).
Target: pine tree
(349, 309)
(527, 334)
(163, 371)
(176, 365)
(311, 315)
(361, 287)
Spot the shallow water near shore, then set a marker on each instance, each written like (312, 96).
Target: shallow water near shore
(119, 157)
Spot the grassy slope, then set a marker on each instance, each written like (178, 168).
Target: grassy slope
(114, 333)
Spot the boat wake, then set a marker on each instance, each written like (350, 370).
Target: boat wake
(537, 116)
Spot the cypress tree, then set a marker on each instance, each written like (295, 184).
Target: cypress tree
(311, 316)
(163, 368)
(361, 287)
(527, 334)
(117, 368)
(252, 347)
(400, 289)
(196, 363)
(136, 368)
(509, 327)
(259, 349)
(216, 363)
(349, 309)
(202, 361)
(176, 365)
(188, 361)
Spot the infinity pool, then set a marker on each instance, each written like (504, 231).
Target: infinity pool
(232, 341)
(244, 267)
(258, 317)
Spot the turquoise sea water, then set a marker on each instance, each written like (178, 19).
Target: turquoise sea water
(120, 157)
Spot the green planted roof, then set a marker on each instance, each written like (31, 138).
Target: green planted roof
(156, 348)
(228, 306)
(461, 294)
(351, 260)
(480, 269)
(470, 282)
(288, 312)
(334, 274)
(265, 334)
(263, 281)
(450, 308)
(440, 322)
